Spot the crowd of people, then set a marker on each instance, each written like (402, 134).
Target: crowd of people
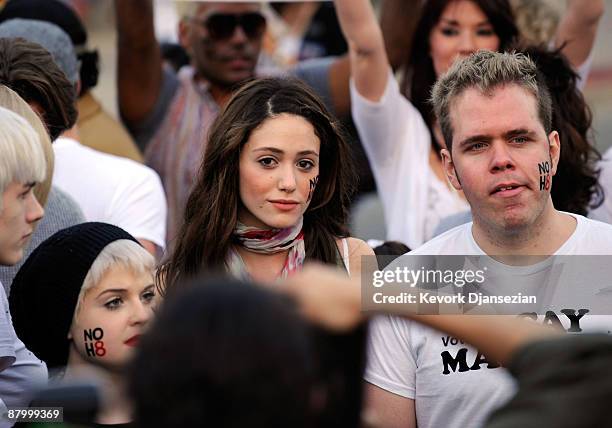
(192, 261)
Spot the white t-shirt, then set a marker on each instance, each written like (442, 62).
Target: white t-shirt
(398, 144)
(20, 370)
(451, 383)
(112, 189)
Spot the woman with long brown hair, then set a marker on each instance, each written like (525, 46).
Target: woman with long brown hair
(273, 190)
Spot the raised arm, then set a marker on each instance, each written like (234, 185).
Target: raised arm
(398, 22)
(368, 59)
(139, 64)
(578, 28)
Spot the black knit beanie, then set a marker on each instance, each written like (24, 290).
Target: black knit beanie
(45, 291)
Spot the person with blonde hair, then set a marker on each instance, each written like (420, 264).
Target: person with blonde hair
(61, 210)
(11, 101)
(22, 166)
(95, 281)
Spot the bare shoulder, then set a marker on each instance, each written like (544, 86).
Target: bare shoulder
(359, 247)
(356, 249)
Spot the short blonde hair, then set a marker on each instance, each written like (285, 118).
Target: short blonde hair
(22, 158)
(12, 101)
(123, 252)
(487, 71)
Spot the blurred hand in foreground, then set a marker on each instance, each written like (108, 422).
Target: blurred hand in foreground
(326, 296)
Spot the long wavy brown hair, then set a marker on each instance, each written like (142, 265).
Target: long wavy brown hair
(576, 187)
(211, 214)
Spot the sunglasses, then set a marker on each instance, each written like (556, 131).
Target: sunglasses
(223, 25)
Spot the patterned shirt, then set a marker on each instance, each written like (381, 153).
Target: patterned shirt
(176, 149)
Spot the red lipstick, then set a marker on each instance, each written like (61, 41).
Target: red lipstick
(133, 341)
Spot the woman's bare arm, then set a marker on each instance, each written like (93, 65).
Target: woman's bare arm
(368, 58)
(578, 28)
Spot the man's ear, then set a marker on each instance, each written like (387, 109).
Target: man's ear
(450, 170)
(554, 148)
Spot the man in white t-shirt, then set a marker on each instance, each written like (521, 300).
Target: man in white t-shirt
(495, 114)
(22, 165)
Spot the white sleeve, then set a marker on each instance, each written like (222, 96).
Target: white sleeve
(377, 122)
(391, 364)
(140, 207)
(384, 125)
(398, 144)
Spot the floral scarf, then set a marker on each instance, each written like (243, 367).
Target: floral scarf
(268, 241)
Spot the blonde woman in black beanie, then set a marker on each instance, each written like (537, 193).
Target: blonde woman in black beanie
(81, 302)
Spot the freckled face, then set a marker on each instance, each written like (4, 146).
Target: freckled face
(279, 168)
(119, 308)
(463, 29)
